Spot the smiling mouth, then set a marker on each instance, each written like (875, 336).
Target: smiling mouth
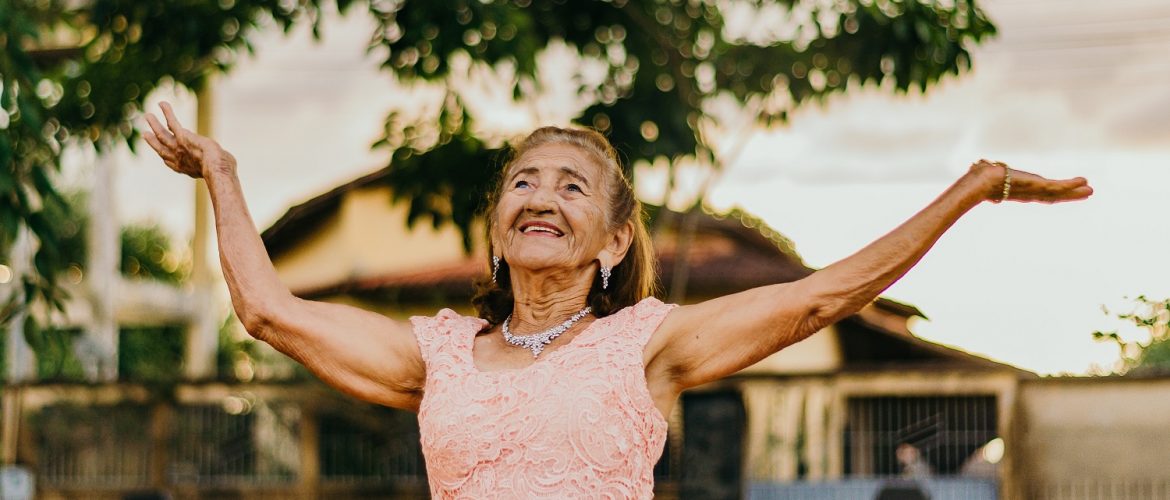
(540, 228)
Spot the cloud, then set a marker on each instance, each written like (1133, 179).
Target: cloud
(1144, 121)
(866, 137)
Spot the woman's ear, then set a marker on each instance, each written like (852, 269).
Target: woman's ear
(619, 243)
(493, 235)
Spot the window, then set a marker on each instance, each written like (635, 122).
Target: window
(922, 436)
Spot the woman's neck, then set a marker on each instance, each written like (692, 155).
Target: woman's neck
(542, 301)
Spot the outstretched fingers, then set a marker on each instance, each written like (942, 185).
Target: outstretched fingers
(182, 136)
(1055, 191)
(1069, 189)
(172, 121)
(161, 140)
(167, 154)
(1079, 192)
(158, 147)
(162, 136)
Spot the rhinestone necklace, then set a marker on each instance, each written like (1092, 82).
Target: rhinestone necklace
(536, 341)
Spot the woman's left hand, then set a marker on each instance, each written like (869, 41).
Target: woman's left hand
(1027, 187)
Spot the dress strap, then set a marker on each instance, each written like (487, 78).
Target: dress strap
(444, 334)
(647, 316)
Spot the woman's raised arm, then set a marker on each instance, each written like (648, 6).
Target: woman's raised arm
(362, 353)
(706, 341)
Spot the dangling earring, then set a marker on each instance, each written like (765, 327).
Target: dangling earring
(606, 272)
(495, 267)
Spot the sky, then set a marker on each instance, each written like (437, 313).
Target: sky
(1068, 88)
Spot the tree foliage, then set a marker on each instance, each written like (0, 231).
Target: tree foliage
(147, 253)
(1151, 355)
(664, 59)
(79, 72)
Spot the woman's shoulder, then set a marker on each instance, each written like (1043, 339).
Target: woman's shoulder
(445, 330)
(445, 320)
(650, 306)
(648, 311)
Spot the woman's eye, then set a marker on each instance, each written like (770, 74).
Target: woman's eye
(521, 184)
(574, 187)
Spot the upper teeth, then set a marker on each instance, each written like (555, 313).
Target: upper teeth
(541, 228)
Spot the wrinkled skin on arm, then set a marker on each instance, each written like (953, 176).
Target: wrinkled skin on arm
(703, 342)
(361, 353)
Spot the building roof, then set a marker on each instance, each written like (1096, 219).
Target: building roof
(305, 218)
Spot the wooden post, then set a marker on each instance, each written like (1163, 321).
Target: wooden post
(1013, 471)
(162, 424)
(10, 433)
(309, 483)
(759, 399)
(202, 331)
(816, 404)
(835, 434)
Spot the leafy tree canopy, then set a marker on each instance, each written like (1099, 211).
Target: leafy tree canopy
(664, 59)
(73, 72)
(79, 71)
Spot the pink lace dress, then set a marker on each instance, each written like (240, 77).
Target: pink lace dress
(577, 423)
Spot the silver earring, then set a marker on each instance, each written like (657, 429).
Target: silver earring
(495, 267)
(606, 272)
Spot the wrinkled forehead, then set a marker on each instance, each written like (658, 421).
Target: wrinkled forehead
(560, 156)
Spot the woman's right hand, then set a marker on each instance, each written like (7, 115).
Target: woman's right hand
(185, 151)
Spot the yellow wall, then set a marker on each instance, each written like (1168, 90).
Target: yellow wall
(368, 237)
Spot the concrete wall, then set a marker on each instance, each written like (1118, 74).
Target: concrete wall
(1093, 435)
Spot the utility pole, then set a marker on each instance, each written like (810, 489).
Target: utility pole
(20, 364)
(97, 349)
(202, 331)
(19, 357)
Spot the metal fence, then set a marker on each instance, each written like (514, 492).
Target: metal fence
(233, 443)
(220, 443)
(378, 447)
(922, 436)
(227, 442)
(238, 442)
(90, 448)
(908, 447)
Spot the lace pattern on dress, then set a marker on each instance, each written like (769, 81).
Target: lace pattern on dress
(578, 423)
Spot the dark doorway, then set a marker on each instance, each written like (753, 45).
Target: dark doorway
(713, 430)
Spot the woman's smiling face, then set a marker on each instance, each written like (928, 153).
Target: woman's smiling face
(553, 209)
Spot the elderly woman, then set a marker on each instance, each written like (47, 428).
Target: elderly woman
(560, 387)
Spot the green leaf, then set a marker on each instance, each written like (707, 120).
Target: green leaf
(32, 332)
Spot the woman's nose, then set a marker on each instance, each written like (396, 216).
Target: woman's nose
(543, 200)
